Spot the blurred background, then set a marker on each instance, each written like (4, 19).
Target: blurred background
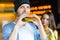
(38, 7)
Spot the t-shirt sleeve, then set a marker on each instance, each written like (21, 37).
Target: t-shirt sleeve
(6, 32)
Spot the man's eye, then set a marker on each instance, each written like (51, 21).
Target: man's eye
(21, 7)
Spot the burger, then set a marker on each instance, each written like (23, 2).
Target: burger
(29, 18)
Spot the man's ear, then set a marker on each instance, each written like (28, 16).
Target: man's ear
(17, 14)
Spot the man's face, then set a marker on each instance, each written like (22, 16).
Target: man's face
(23, 9)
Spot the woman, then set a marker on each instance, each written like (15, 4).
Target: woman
(49, 25)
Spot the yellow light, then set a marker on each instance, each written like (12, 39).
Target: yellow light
(35, 8)
(6, 5)
(41, 7)
(7, 16)
(44, 7)
(47, 7)
(40, 16)
(38, 12)
(11, 5)
(32, 8)
(2, 5)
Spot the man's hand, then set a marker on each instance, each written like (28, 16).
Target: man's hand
(37, 21)
(19, 22)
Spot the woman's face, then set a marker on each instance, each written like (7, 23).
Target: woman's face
(23, 9)
(45, 20)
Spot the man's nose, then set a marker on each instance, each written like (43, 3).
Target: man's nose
(25, 9)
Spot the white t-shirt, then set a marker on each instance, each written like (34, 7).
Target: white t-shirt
(26, 32)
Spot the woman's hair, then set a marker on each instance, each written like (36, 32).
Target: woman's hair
(52, 24)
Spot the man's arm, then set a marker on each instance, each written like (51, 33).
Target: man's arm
(19, 23)
(6, 32)
(13, 35)
(38, 22)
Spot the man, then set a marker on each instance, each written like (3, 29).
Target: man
(20, 30)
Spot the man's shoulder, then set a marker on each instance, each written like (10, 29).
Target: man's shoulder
(9, 25)
(7, 29)
(33, 25)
